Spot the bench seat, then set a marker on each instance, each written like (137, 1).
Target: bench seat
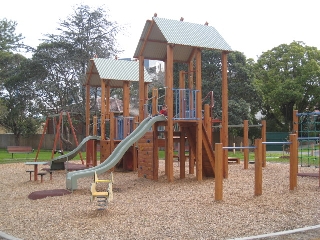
(19, 149)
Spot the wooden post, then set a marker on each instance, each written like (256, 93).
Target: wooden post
(95, 123)
(293, 161)
(145, 100)
(224, 139)
(103, 110)
(169, 102)
(112, 131)
(87, 123)
(154, 101)
(182, 153)
(295, 124)
(218, 193)
(264, 139)
(245, 144)
(258, 168)
(199, 117)
(190, 86)
(207, 122)
(141, 88)
(126, 98)
(155, 151)
(107, 101)
(135, 151)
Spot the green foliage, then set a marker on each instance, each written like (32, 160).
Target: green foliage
(85, 34)
(244, 99)
(9, 40)
(18, 97)
(287, 78)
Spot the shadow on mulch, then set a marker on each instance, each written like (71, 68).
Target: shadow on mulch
(48, 193)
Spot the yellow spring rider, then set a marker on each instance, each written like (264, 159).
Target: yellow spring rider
(102, 197)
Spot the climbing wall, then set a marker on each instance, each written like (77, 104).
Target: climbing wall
(145, 156)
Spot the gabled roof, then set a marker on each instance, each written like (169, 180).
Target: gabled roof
(159, 32)
(116, 71)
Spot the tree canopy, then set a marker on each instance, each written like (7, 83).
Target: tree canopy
(85, 34)
(9, 39)
(287, 77)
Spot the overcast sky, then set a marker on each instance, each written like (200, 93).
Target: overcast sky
(248, 26)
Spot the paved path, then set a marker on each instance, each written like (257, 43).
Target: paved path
(307, 233)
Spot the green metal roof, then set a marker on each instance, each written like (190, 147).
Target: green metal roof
(116, 71)
(159, 32)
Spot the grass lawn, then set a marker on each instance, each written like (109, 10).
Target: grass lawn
(45, 155)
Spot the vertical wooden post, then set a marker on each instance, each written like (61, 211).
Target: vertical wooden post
(293, 161)
(94, 146)
(199, 117)
(126, 98)
(154, 101)
(190, 86)
(106, 103)
(141, 88)
(155, 152)
(95, 123)
(295, 122)
(112, 131)
(182, 154)
(258, 168)
(181, 94)
(87, 123)
(103, 110)
(245, 144)
(135, 151)
(169, 102)
(264, 139)
(218, 171)
(207, 122)
(87, 110)
(224, 139)
(145, 100)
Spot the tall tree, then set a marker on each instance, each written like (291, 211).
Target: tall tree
(85, 34)
(288, 78)
(9, 39)
(21, 106)
(243, 98)
(18, 103)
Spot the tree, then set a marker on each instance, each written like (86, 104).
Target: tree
(287, 76)
(19, 100)
(9, 40)
(243, 98)
(85, 34)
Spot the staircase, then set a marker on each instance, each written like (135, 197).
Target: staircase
(207, 151)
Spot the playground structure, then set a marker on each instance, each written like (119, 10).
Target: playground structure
(58, 162)
(187, 112)
(306, 127)
(186, 119)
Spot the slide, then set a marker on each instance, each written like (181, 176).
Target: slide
(116, 155)
(58, 162)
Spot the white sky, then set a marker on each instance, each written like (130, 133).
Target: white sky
(248, 26)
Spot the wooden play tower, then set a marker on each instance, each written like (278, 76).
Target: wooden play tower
(178, 41)
(106, 74)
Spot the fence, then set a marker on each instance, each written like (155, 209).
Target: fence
(34, 140)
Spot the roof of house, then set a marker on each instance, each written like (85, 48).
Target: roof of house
(115, 71)
(185, 36)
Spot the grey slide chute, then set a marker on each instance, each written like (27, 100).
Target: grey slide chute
(58, 162)
(116, 155)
